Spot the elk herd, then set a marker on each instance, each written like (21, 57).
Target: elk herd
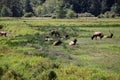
(56, 34)
(59, 38)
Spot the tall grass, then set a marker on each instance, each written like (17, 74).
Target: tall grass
(25, 55)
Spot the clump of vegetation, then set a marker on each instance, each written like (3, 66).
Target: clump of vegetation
(12, 75)
(108, 14)
(27, 56)
(71, 14)
(86, 14)
(52, 75)
(1, 26)
(30, 14)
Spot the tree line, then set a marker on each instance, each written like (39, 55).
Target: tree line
(59, 8)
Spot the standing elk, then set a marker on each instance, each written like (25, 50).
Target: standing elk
(97, 34)
(55, 33)
(57, 43)
(3, 33)
(73, 42)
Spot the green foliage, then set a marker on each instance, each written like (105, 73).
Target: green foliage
(1, 72)
(60, 12)
(1, 26)
(71, 14)
(86, 14)
(52, 75)
(30, 14)
(6, 12)
(28, 7)
(12, 75)
(115, 9)
(108, 14)
(26, 56)
(48, 8)
(16, 8)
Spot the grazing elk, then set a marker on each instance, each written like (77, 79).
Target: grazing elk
(47, 38)
(73, 42)
(55, 33)
(97, 34)
(66, 36)
(57, 43)
(3, 33)
(110, 36)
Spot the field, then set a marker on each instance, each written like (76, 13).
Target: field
(24, 55)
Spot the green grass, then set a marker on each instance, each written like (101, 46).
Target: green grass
(25, 55)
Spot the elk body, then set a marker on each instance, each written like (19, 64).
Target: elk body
(47, 38)
(55, 33)
(3, 33)
(57, 43)
(97, 34)
(110, 36)
(73, 42)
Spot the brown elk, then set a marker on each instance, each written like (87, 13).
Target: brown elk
(55, 33)
(3, 33)
(73, 42)
(66, 36)
(57, 43)
(47, 38)
(97, 34)
(109, 36)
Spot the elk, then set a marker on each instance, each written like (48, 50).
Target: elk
(55, 33)
(3, 33)
(57, 43)
(47, 38)
(109, 36)
(73, 42)
(97, 34)
(66, 36)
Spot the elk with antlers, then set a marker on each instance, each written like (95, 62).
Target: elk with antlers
(109, 36)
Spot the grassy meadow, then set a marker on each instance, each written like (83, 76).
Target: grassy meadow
(24, 55)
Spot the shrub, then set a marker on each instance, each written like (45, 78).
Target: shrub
(1, 26)
(53, 16)
(1, 71)
(52, 75)
(71, 14)
(108, 14)
(12, 75)
(30, 14)
(86, 14)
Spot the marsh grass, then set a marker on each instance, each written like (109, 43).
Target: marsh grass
(28, 56)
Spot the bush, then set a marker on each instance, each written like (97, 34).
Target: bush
(52, 75)
(108, 14)
(53, 16)
(30, 14)
(1, 26)
(1, 71)
(71, 14)
(86, 14)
